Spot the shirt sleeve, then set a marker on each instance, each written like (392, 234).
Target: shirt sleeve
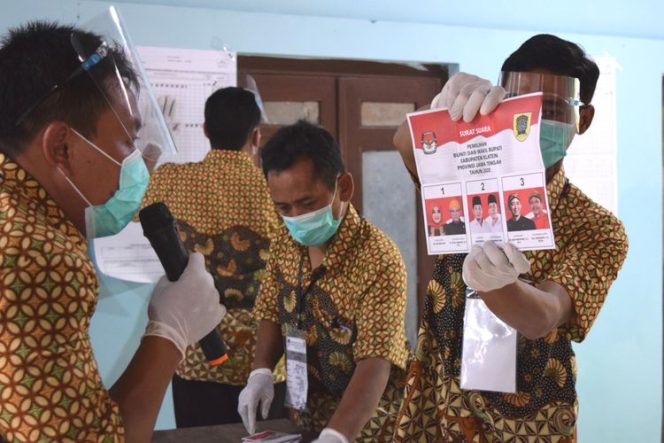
(50, 383)
(589, 266)
(159, 185)
(382, 311)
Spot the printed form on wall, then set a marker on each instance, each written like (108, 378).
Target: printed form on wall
(181, 79)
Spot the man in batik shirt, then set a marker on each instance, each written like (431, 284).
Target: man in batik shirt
(224, 211)
(560, 291)
(71, 167)
(336, 280)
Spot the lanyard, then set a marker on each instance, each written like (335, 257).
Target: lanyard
(300, 293)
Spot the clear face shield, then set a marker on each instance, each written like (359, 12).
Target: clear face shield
(114, 66)
(561, 94)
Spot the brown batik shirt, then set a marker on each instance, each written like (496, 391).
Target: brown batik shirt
(353, 308)
(225, 212)
(50, 387)
(591, 246)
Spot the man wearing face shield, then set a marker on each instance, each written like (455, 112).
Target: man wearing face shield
(550, 297)
(338, 283)
(71, 169)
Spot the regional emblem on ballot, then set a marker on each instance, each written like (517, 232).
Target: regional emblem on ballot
(522, 126)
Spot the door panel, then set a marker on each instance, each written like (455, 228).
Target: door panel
(370, 112)
(289, 97)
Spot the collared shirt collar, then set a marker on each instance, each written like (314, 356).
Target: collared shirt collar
(339, 243)
(221, 155)
(16, 179)
(555, 188)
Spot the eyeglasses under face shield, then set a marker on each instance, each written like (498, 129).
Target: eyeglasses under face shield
(560, 94)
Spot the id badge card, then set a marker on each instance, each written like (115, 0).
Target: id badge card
(297, 383)
(488, 359)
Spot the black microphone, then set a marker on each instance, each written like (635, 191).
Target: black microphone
(161, 230)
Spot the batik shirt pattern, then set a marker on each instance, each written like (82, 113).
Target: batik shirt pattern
(225, 212)
(50, 387)
(353, 308)
(591, 246)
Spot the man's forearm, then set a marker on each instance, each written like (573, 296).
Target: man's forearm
(269, 345)
(140, 389)
(533, 311)
(361, 397)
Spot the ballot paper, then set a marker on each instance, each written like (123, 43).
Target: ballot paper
(272, 437)
(483, 180)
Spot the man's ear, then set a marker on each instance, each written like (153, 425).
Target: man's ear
(346, 186)
(586, 115)
(205, 130)
(55, 147)
(256, 137)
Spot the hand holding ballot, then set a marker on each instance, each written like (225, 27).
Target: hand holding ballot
(491, 266)
(465, 94)
(259, 391)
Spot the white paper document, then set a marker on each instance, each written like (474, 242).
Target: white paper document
(128, 256)
(483, 180)
(181, 80)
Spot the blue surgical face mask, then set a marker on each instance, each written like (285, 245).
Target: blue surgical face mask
(555, 138)
(112, 216)
(313, 228)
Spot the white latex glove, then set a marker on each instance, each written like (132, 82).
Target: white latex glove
(186, 310)
(465, 94)
(489, 266)
(259, 389)
(329, 435)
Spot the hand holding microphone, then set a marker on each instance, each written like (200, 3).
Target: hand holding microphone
(177, 316)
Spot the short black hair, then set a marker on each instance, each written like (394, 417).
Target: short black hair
(36, 57)
(561, 57)
(304, 140)
(230, 116)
